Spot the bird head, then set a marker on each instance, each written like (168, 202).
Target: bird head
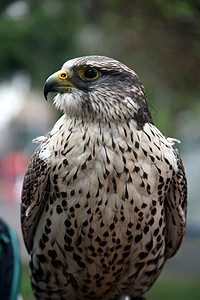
(98, 88)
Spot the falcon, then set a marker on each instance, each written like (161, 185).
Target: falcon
(104, 197)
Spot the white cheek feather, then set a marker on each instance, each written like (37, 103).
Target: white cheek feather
(59, 101)
(69, 102)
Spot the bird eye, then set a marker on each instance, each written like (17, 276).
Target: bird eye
(90, 74)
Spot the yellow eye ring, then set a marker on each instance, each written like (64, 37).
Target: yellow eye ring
(90, 74)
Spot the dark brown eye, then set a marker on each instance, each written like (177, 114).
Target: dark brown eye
(91, 74)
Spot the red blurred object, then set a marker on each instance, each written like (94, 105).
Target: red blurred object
(12, 169)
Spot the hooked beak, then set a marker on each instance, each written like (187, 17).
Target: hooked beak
(57, 82)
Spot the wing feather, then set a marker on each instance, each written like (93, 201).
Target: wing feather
(176, 209)
(35, 191)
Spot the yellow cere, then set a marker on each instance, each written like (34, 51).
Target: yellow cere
(62, 74)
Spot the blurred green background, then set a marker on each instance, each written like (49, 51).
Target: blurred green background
(158, 39)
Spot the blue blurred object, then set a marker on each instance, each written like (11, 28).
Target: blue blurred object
(9, 263)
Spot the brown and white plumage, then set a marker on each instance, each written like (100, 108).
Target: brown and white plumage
(104, 196)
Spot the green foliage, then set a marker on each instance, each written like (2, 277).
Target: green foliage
(40, 41)
(173, 288)
(25, 289)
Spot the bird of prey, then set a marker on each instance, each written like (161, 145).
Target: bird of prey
(104, 196)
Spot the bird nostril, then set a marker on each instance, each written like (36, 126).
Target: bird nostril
(63, 75)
